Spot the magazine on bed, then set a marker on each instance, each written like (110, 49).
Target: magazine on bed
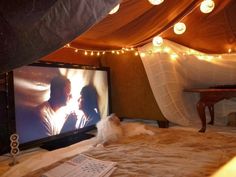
(83, 166)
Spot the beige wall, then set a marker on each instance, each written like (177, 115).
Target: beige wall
(131, 93)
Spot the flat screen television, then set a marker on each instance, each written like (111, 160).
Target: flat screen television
(55, 101)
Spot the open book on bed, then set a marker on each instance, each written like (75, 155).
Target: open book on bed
(83, 166)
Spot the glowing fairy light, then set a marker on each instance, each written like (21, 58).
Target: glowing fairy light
(179, 28)
(156, 2)
(157, 41)
(115, 9)
(207, 6)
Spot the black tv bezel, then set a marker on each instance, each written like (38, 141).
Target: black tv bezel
(60, 138)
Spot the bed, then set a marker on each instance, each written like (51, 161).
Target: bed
(172, 152)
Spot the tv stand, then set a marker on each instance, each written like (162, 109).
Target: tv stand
(66, 141)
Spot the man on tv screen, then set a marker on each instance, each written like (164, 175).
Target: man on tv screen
(51, 121)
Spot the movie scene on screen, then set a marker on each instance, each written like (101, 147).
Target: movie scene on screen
(51, 101)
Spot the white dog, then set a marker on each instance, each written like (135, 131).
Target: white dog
(110, 130)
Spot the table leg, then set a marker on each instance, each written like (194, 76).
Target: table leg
(211, 110)
(201, 112)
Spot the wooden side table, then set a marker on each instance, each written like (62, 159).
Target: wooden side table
(208, 97)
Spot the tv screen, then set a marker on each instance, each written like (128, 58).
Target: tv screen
(53, 100)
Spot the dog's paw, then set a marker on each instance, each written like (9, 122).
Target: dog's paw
(100, 145)
(149, 132)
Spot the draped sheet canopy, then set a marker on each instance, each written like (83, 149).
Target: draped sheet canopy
(32, 29)
(137, 22)
(171, 71)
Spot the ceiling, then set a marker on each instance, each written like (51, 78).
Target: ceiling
(30, 29)
(137, 22)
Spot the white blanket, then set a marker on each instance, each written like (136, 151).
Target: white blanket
(177, 152)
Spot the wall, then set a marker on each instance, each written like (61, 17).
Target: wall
(131, 93)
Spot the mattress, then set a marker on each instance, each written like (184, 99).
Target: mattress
(172, 152)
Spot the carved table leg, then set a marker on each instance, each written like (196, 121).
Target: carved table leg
(211, 110)
(201, 112)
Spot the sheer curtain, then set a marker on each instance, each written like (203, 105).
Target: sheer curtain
(172, 67)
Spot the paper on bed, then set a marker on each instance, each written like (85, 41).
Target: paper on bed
(83, 166)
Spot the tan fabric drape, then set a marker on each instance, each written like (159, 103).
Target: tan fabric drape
(137, 22)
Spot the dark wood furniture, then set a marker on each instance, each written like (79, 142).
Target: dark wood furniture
(208, 97)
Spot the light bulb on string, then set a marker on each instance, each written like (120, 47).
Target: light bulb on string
(207, 6)
(179, 28)
(142, 54)
(156, 2)
(157, 41)
(100, 52)
(115, 9)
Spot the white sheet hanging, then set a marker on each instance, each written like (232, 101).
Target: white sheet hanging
(172, 67)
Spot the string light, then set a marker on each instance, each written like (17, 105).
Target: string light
(157, 41)
(162, 49)
(115, 9)
(156, 2)
(87, 52)
(179, 28)
(142, 54)
(207, 6)
(174, 56)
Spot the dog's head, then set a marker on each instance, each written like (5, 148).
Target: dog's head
(109, 121)
(114, 119)
(109, 130)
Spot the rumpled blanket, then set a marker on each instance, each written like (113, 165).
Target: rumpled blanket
(169, 153)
